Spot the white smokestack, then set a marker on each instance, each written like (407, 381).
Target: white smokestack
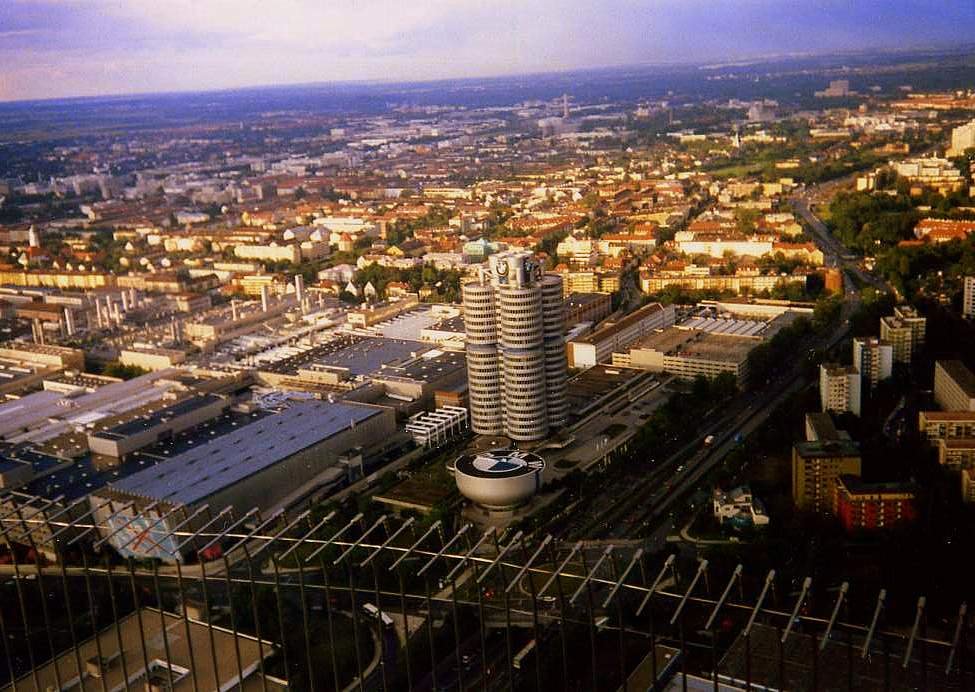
(69, 321)
(265, 298)
(233, 310)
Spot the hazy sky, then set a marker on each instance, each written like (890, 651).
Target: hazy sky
(51, 48)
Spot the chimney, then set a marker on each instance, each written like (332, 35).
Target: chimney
(125, 301)
(299, 288)
(265, 298)
(233, 309)
(69, 321)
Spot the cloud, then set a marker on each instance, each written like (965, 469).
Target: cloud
(60, 47)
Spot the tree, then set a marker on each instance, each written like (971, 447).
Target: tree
(124, 372)
(746, 219)
(827, 312)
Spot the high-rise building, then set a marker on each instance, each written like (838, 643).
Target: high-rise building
(962, 138)
(873, 359)
(968, 298)
(917, 322)
(863, 506)
(954, 386)
(905, 330)
(839, 388)
(815, 468)
(516, 364)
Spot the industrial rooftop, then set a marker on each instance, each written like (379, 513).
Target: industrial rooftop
(243, 452)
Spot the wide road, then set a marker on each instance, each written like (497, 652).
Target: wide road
(837, 255)
(631, 506)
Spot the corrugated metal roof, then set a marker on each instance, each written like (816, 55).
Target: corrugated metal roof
(228, 459)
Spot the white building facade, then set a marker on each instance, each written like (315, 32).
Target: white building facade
(516, 361)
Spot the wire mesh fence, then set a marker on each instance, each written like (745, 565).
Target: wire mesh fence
(111, 598)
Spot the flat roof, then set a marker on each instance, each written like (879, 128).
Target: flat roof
(359, 355)
(211, 467)
(665, 340)
(426, 367)
(827, 448)
(823, 425)
(83, 475)
(717, 347)
(145, 628)
(629, 320)
(579, 299)
(163, 415)
(407, 325)
(958, 443)
(964, 377)
(723, 325)
(857, 486)
(949, 416)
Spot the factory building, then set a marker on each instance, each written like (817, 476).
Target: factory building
(599, 346)
(516, 364)
(270, 463)
(121, 440)
(688, 353)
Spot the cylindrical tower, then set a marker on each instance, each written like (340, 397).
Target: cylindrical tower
(523, 362)
(515, 349)
(556, 370)
(483, 375)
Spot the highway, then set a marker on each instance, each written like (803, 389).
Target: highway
(640, 502)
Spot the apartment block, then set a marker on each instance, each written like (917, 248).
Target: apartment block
(946, 425)
(898, 335)
(839, 388)
(815, 468)
(873, 359)
(865, 506)
(956, 453)
(954, 386)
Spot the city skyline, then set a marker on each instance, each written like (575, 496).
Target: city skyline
(63, 48)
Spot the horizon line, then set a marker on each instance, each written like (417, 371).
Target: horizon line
(716, 63)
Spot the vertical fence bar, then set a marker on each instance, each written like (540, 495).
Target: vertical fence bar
(86, 571)
(6, 653)
(186, 622)
(137, 604)
(162, 620)
(23, 608)
(109, 579)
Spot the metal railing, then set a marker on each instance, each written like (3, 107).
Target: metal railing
(460, 610)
